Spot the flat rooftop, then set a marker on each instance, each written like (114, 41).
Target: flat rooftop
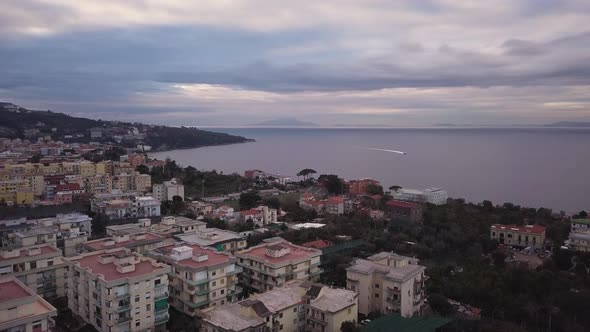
(45, 250)
(10, 290)
(209, 237)
(532, 229)
(132, 242)
(109, 270)
(397, 273)
(296, 253)
(214, 258)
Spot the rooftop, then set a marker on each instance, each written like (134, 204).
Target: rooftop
(580, 221)
(109, 271)
(532, 229)
(209, 237)
(213, 257)
(132, 241)
(401, 204)
(407, 270)
(334, 299)
(318, 244)
(44, 249)
(10, 290)
(296, 253)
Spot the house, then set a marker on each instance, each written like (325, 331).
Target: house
(399, 209)
(520, 236)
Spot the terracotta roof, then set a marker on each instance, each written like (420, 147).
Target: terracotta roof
(335, 200)
(534, 229)
(295, 252)
(401, 204)
(10, 290)
(318, 244)
(250, 212)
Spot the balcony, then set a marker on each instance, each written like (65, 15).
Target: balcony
(235, 291)
(318, 319)
(122, 296)
(161, 319)
(236, 270)
(123, 319)
(123, 308)
(161, 305)
(160, 295)
(196, 282)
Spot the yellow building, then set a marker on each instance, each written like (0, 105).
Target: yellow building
(24, 197)
(297, 306)
(23, 310)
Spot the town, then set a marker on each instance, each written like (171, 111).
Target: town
(130, 243)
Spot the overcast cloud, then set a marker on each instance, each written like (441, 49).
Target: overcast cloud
(399, 63)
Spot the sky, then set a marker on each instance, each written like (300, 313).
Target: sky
(346, 62)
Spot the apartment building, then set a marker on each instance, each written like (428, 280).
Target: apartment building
(23, 310)
(167, 190)
(296, 306)
(220, 239)
(580, 225)
(201, 277)
(436, 196)
(98, 184)
(65, 231)
(167, 227)
(520, 236)
(359, 187)
(133, 181)
(579, 241)
(388, 283)
(117, 290)
(41, 268)
(272, 264)
(119, 208)
(138, 242)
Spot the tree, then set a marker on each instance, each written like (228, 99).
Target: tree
(499, 259)
(373, 189)
(349, 326)
(249, 200)
(440, 304)
(143, 169)
(395, 188)
(333, 183)
(306, 173)
(273, 203)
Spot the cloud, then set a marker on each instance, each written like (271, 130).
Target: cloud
(411, 61)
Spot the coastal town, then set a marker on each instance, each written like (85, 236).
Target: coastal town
(102, 245)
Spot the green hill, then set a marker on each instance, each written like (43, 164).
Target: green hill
(18, 122)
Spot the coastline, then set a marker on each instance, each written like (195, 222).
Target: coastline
(248, 140)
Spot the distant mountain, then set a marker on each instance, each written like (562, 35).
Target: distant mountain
(285, 122)
(18, 122)
(569, 124)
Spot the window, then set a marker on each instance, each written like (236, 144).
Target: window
(222, 291)
(50, 262)
(376, 295)
(136, 298)
(213, 284)
(213, 273)
(222, 281)
(148, 307)
(137, 323)
(281, 315)
(33, 264)
(157, 282)
(148, 295)
(214, 294)
(349, 310)
(222, 302)
(376, 285)
(295, 309)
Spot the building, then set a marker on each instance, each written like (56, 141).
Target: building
(260, 216)
(200, 208)
(66, 231)
(296, 306)
(220, 239)
(388, 283)
(201, 277)
(436, 196)
(334, 205)
(410, 195)
(272, 264)
(41, 268)
(120, 208)
(520, 236)
(405, 210)
(167, 190)
(580, 225)
(359, 187)
(23, 310)
(579, 241)
(318, 244)
(116, 290)
(138, 242)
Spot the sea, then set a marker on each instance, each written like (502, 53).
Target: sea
(533, 167)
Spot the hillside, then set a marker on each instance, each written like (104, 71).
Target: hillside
(18, 122)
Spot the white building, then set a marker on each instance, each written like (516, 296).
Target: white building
(435, 196)
(388, 283)
(167, 190)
